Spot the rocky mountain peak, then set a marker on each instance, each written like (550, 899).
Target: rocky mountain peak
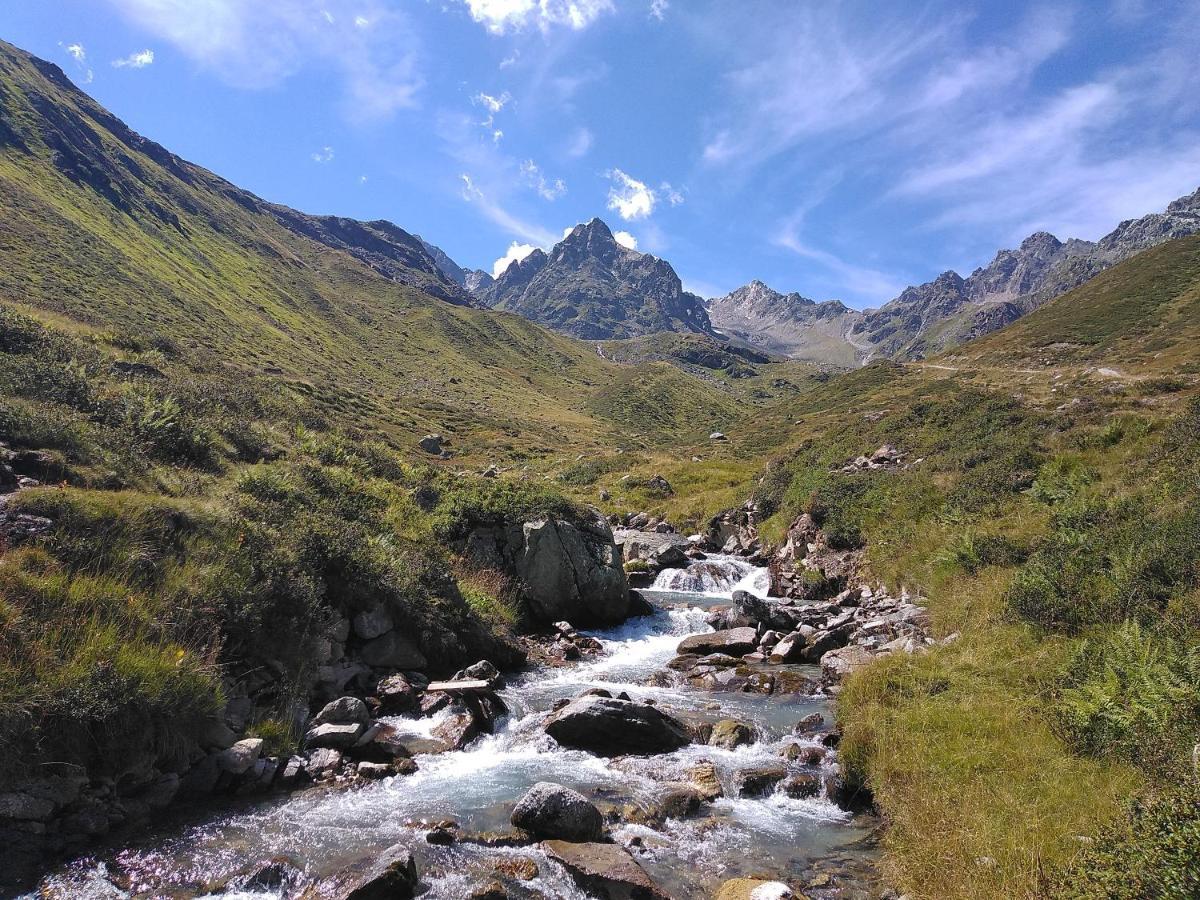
(1041, 242)
(1190, 203)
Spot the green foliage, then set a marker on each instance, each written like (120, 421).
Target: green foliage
(1133, 695)
(1153, 852)
(587, 472)
(464, 504)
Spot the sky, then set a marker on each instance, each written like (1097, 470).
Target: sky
(840, 149)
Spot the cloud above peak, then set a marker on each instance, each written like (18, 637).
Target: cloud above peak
(625, 239)
(629, 198)
(516, 252)
(135, 60)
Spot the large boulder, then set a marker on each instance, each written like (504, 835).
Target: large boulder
(607, 726)
(552, 811)
(393, 651)
(567, 570)
(732, 641)
(605, 870)
(343, 711)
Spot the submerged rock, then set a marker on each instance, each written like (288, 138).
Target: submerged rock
(605, 870)
(608, 726)
(390, 876)
(550, 810)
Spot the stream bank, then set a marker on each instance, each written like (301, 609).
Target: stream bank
(758, 806)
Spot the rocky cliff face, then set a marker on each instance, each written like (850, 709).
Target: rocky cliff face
(788, 324)
(445, 264)
(591, 287)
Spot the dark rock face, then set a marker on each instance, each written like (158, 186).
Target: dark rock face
(567, 571)
(611, 727)
(591, 287)
(552, 811)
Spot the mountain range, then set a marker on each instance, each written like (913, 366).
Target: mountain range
(590, 287)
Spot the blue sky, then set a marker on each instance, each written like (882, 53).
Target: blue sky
(838, 149)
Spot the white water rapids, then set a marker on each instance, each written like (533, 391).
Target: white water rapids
(322, 829)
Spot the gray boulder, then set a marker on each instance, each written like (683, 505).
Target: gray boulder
(241, 757)
(372, 623)
(607, 726)
(566, 570)
(391, 875)
(343, 711)
(552, 811)
(732, 641)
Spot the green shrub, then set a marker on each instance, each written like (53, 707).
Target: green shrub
(1153, 853)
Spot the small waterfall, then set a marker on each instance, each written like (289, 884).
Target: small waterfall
(718, 575)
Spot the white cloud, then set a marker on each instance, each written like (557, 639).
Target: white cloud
(511, 60)
(658, 9)
(501, 16)
(629, 198)
(516, 253)
(580, 143)
(324, 155)
(361, 22)
(362, 179)
(135, 60)
(492, 106)
(79, 54)
(625, 239)
(261, 44)
(546, 188)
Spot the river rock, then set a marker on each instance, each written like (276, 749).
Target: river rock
(339, 737)
(610, 727)
(550, 810)
(730, 733)
(323, 763)
(809, 724)
(393, 651)
(241, 757)
(704, 778)
(759, 779)
(836, 664)
(605, 870)
(390, 876)
(733, 641)
(396, 695)
(753, 889)
(800, 787)
(343, 711)
(457, 731)
(789, 649)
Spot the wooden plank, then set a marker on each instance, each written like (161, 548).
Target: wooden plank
(458, 687)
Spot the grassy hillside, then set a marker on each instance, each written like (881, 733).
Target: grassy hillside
(1051, 523)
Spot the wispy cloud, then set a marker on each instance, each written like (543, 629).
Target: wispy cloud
(658, 9)
(498, 215)
(324, 155)
(135, 60)
(580, 143)
(257, 45)
(502, 16)
(629, 198)
(77, 52)
(547, 189)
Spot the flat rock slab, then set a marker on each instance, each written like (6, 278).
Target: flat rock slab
(732, 641)
(606, 870)
(459, 687)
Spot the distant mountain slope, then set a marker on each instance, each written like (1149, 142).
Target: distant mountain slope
(445, 264)
(950, 309)
(788, 324)
(591, 287)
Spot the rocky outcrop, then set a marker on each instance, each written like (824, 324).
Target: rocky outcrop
(550, 810)
(609, 726)
(566, 570)
(392, 875)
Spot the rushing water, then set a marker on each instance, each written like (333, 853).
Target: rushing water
(323, 829)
